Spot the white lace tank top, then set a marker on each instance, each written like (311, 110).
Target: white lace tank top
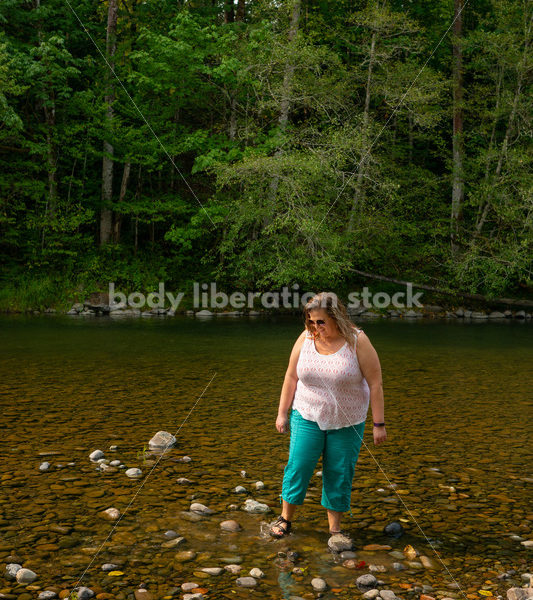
(331, 390)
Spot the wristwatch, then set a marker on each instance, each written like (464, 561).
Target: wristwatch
(379, 424)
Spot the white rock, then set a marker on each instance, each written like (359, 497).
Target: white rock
(113, 448)
(257, 573)
(94, 456)
(115, 463)
(186, 459)
(319, 585)
(134, 473)
(201, 509)
(240, 490)
(233, 568)
(244, 474)
(387, 595)
(44, 467)
(162, 439)
(197, 596)
(252, 506)
(213, 570)
(319, 473)
(188, 586)
(184, 481)
(527, 543)
(259, 485)
(110, 567)
(83, 593)
(11, 571)
(46, 595)
(25, 576)
(111, 513)
(371, 594)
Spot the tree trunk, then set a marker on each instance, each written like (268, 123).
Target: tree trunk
(241, 10)
(106, 216)
(286, 95)
(233, 118)
(117, 222)
(359, 192)
(457, 136)
(50, 118)
(229, 13)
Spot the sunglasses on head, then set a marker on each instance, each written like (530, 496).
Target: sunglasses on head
(317, 322)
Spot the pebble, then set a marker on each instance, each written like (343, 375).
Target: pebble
(252, 506)
(112, 514)
(339, 542)
(397, 566)
(188, 586)
(346, 554)
(186, 459)
(47, 595)
(213, 570)
(83, 593)
(196, 507)
(170, 534)
(527, 577)
(527, 543)
(185, 556)
(240, 490)
(184, 481)
(230, 526)
(393, 529)
(371, 594)
(234, 569)
(259, 485)
(197, 596)
(366, 581)
(377, 568)
(318, 473)
(25, 576)
(173, 543)
(519, 593)
(244, 474)
(246, 582)
(110, 567)
(318, 584)
(115, 463)
(387, 595)
(257, 573)
(133, 472)
(162, 439)
(97, 454)
(11, 571)
(44, 466)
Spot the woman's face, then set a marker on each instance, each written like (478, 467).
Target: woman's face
(321, 323)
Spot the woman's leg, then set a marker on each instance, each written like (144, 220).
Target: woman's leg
(340, 456)
(306, 446)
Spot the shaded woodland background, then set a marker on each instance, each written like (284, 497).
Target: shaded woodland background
(260, 143)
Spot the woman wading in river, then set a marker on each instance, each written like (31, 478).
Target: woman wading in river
(332, 377)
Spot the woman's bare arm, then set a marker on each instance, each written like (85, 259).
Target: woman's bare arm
(289, 386)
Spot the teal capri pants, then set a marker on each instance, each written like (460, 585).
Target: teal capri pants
(339, 449)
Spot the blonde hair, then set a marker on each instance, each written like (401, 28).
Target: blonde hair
(335, 309)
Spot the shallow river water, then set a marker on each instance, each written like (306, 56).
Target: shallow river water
(455, 472)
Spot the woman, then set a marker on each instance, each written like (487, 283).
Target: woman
(333, 375)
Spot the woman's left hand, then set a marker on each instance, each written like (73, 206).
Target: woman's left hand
(380, 435)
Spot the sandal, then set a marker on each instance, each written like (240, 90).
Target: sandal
(283, 531)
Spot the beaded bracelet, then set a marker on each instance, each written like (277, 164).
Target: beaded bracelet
(379, 424)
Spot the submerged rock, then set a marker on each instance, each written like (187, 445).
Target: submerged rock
(12, 570)
(339, 542)
(230, 525)
(319, 585)
(162, 439)
(196, 507)
(246, 582)
(253, 506)
(134, 473)
(96, 455)
(366, 582)
(394, 529)
(25, 576)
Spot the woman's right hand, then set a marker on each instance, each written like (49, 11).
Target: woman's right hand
(282, 423)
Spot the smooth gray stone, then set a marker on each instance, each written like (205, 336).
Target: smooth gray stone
(371, 594)
(188, 586)
(110, 567)
(26, 576)
(519, 593)
(339, 542)
(83, 593)
(47, 595)
(134, 473)
(252, 506)
(387, 595)
(366, 582)
(196, 507)
(44, 467)
(246, 582)
(94, 456)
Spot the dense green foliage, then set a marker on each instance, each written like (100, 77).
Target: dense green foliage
(264, 149)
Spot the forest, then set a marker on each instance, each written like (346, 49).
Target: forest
(262, 143)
